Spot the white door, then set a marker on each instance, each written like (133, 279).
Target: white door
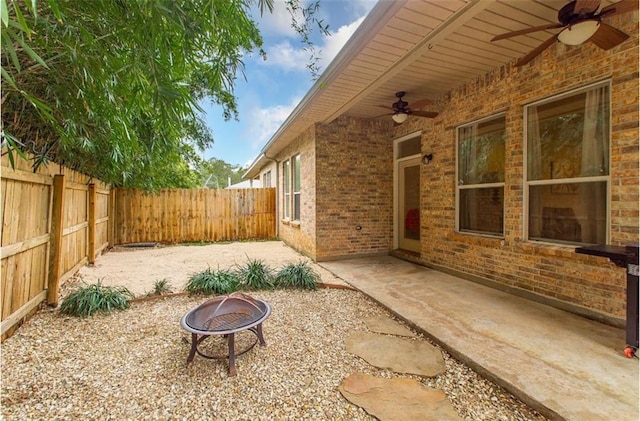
(408, 202)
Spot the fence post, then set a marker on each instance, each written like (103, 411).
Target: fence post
(92, 224)
(111, 212)
(55, 250)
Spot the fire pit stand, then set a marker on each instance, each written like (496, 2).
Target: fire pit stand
(225, 316)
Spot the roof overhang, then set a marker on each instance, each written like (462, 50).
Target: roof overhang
(425, 48)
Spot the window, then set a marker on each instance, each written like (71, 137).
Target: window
(266, 179)
(409, 147)
(296, 187)
(291, 188)
(480, 187)
(286, 188)
(567, 172)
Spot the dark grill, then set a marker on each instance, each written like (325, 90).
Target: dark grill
(624, 256)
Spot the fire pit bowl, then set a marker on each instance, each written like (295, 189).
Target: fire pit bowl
(225, 316)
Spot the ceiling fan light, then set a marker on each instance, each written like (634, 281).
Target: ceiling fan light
(578, 33)
(399, 117)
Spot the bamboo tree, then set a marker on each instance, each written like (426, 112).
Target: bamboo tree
(111, 87)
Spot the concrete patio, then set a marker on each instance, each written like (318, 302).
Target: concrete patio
(561, 364)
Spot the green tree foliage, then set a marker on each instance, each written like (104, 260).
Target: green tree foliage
(216, 173)
(111, 87)
(303, 19)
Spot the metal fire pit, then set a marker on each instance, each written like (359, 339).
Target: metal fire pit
(225, 316)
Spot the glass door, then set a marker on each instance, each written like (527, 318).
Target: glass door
(408, 202)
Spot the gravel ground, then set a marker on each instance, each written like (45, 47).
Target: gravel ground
(131, 365)
(139, 268)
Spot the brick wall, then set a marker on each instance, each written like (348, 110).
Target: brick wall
(354, 188)
(347, 171)
(556, 272)
(300, 236)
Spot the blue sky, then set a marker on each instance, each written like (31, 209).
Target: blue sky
(274, 87)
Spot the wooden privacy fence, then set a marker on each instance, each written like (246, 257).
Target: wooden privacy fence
(192, 215)
(53, 222)
(56, 220)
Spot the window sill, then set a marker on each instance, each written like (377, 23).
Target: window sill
(548, 248)
(482, 234)
(295, 224)
(481, 239)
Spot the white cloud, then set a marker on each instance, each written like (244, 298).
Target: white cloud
(362, 7)
(285, 56)
(265, 121)
(337, 40)
(276, 23)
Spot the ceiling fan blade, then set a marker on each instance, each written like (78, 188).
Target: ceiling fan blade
(620, 7)
(527, 31)
(382, 115)
(428, 114)
(584, 7)
(526, 59)
(386, 107)
(607, 37)
(421, 103)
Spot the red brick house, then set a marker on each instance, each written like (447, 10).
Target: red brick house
(522, 164)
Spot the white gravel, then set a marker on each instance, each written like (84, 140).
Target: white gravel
(131, 366)
(139, 268)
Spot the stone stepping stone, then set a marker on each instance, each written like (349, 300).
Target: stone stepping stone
(381, 324)
(401, 355)
(397, 399)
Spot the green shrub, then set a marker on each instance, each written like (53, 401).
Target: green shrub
(85, 301)
(255, 275)
(211, 282)
(161, 287)
(298, 275)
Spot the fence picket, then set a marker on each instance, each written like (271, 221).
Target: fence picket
(188, 215)
(56, 220)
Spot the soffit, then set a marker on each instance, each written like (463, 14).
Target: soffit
(425, 48)
(458, 53)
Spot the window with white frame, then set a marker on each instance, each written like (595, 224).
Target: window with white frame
(266, 179)
(286, 188)
(480, 175)
(295, 162)
(567, 171)
(291, 188)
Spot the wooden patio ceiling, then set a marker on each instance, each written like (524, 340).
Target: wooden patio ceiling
(423, 47)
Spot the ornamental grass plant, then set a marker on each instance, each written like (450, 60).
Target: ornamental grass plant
(210, 282)
(86, 301)
(161, 287)
(255, 274)
(298, 275)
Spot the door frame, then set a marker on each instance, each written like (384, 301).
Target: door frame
(396, 180)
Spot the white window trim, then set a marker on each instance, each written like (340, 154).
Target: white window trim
(459, 187)
(266, 179)
(286, 195)
(295, 157)
(396, 152)
(398, 141)
(289, 196)
(525, 169)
